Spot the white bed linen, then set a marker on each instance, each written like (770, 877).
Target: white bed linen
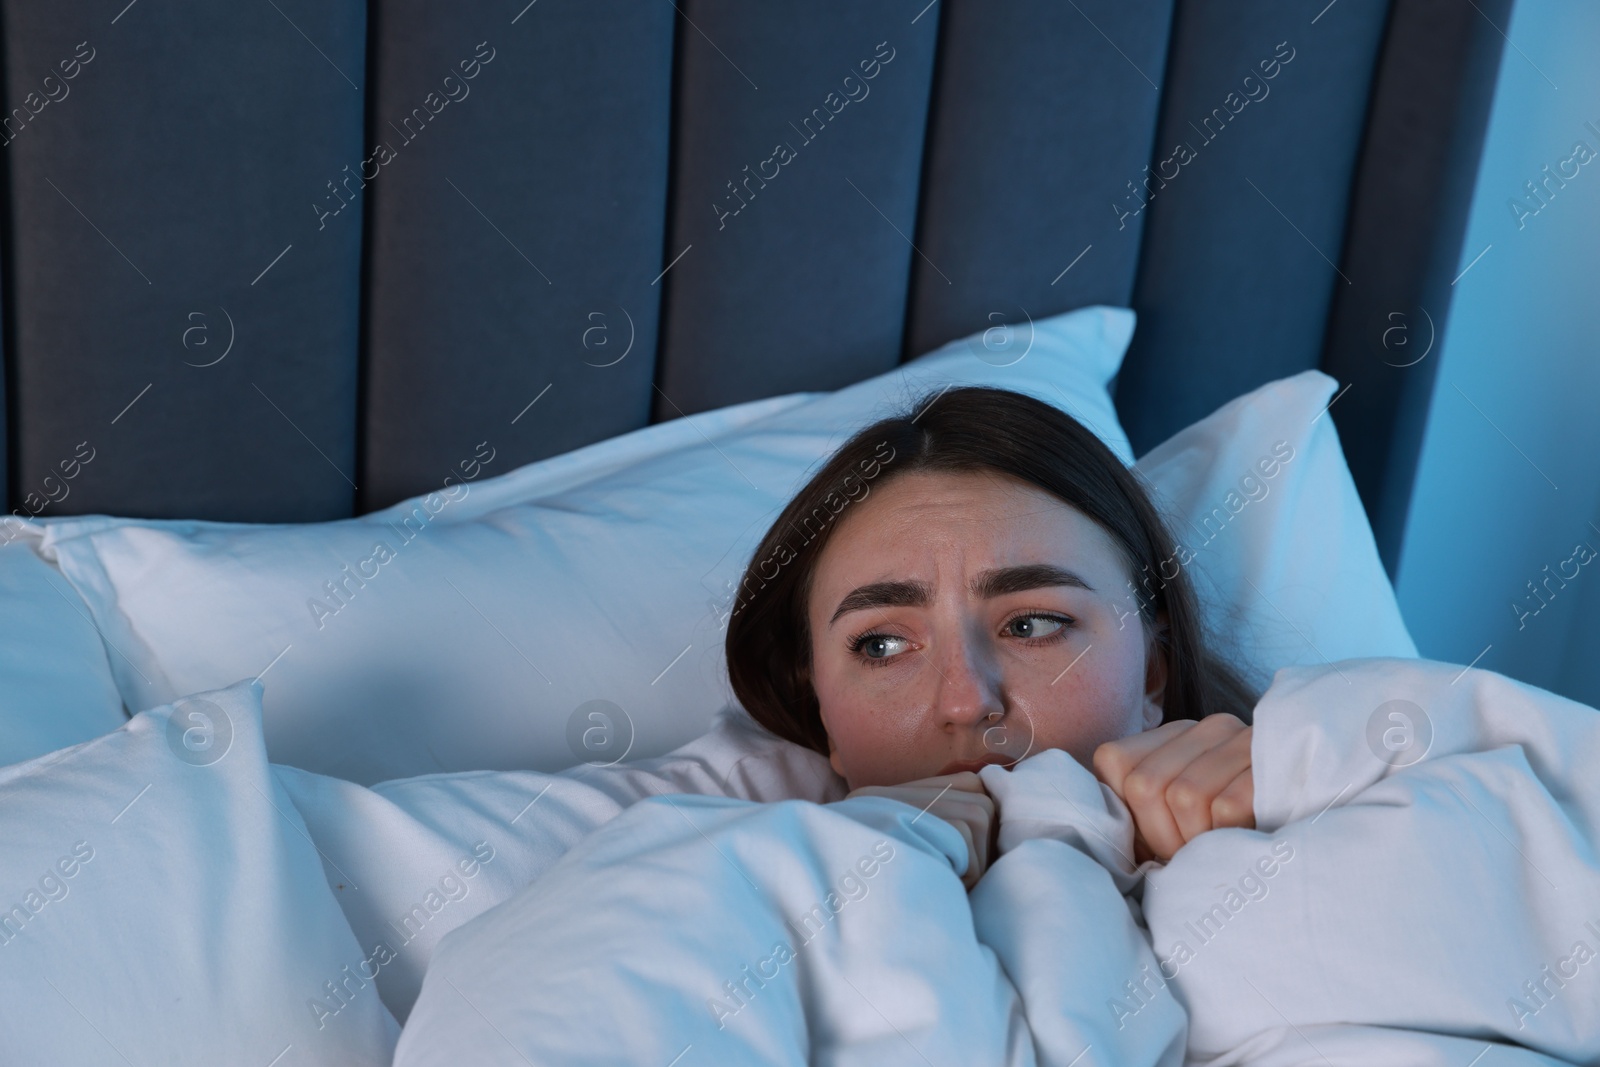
(1406, 905)
(160, 903)
(695, 929)
(393, 853)
(1419, 897)
(56, 688)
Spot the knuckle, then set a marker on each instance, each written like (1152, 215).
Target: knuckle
(1186, 795)
(1228, 808)
(1110, 758)
(1140, 788)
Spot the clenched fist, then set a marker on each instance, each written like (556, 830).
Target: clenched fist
(958, 799)
(1180, 780)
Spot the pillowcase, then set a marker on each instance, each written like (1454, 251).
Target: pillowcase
(162, 903)
(431, 852)
(445, 634)
(56, 687)
(1266, 517)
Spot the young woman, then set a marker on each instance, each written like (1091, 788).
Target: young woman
(977, 579)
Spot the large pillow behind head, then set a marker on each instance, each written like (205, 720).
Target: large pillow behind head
(1266, 519)
(571, 610)
(56, 688)
(162, 903)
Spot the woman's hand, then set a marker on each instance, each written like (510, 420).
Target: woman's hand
(958, 799)
(1180, 780)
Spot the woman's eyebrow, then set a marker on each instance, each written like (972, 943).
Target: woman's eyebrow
(904, 593)
(987, 585)
(1024, 576)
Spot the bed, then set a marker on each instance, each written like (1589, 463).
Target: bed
(365, 362)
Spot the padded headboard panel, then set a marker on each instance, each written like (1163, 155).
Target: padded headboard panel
(292, 261)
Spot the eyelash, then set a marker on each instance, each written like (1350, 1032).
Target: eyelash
(855, 643)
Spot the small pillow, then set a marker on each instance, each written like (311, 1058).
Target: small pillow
(1269, 524)
(431, 852)
(434, 636)
(163, 904)
(56, 687)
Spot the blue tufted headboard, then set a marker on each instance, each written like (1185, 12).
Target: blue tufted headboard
(292, 260)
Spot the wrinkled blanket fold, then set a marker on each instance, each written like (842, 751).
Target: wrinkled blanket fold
(713, 930)
(1437, 832)
(1422, 887)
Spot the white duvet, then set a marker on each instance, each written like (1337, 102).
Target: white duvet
(703, 930)
(1387, 909)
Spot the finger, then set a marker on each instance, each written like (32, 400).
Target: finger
(969, 814)
(921, 792)
(1193, 793)
(983, 823)
(1145, 788)
(977, 861)
(995, 816)
(969, 878)
(1235, 805)
(979, 827)
(955, 804)
(912, 795)
(975, 809)
(974, 813)
(966, 781)
(947, 798)
(943, 802)
(1115, 759)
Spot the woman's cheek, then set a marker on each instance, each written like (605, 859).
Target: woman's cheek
(847, 715)
(1096, 706)
(879, 744)
(1118, 689)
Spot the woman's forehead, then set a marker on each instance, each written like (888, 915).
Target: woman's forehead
(951, 527)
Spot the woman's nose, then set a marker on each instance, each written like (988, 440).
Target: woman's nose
(968, 682)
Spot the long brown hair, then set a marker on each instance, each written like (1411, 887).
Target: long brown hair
(966, 429)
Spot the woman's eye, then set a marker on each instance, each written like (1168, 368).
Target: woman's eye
(877, 647)
(1036, 625)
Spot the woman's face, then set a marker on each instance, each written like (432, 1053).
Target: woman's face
(966, 618)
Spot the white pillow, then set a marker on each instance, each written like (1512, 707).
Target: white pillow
(404, 842)
(56, 687)
(162, 903)
(480, 638)
(1268, 521)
